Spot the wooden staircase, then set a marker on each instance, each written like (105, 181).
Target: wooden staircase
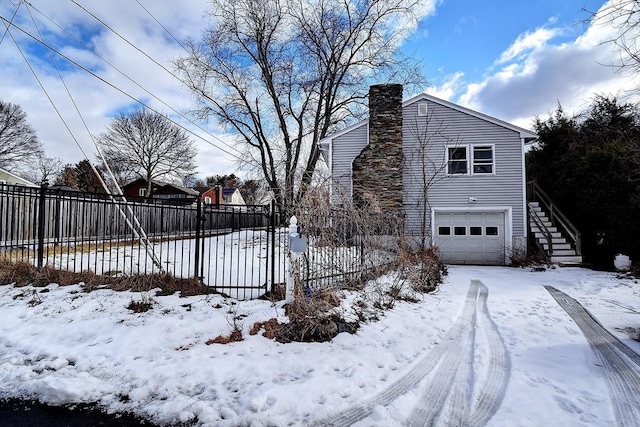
(553, 234)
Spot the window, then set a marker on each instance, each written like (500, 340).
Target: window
(483, 159)
(480, 163)
(491, 231)
(475, 231)
(444, 231)
(457, 160)
(142, 192)
(422, 109)
(207, 200)
(460, 231)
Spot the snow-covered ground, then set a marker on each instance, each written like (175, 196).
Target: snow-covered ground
(529, 357)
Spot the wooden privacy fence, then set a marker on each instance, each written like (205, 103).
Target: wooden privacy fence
(235, 249)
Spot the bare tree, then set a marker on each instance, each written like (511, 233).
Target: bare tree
(19, 143)
(46, 169)
(624, 17)
(426, 164)
(282, 74)
(149, 145)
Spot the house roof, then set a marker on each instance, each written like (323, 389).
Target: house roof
(161, 184)
(524, 133)
(16, 178)
(228, 191)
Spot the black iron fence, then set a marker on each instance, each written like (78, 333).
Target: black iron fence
(241, 251)
(238, 250)
(346, 248)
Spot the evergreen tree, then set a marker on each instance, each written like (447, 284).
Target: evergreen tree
(589, 166)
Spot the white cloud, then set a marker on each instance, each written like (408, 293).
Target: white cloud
(527, 42)
(534, 75)
(451, 85)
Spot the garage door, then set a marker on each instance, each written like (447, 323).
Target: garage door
(470, 237)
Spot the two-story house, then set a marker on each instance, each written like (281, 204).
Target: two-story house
(455, 175)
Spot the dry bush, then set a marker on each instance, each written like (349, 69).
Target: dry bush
(143, 305)
(351, 244)
(423, 269)
(310, 320)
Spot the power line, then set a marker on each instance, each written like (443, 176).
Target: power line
(163, 27)
(115, 87)
(14, 15)
(137, 84)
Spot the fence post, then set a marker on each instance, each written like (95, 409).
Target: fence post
(297, 245)
(273, 245)
(41, 222)
(196, 269)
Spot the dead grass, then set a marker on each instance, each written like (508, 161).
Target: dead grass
(23, 274)
(234, 336)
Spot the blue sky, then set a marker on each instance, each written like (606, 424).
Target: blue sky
(512, 59)
(468, 35)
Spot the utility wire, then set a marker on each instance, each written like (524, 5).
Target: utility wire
(14, 15)
(163, 27)
(137, 84)
(144, 239)
(236, 156)
(147, 55)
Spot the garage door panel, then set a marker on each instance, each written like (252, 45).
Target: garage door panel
(482, 245)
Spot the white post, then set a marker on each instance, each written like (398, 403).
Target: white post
(293, 257)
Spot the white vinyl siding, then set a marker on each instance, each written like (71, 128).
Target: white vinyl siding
(429, 128)
(346, 148)
(453, 128)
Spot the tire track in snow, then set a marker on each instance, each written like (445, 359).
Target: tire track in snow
(498, 370)
(417, 373)
(621, 365)
(441, 385)
(451, 384)
(461, 411)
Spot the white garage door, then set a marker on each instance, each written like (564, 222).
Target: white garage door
(470, 237)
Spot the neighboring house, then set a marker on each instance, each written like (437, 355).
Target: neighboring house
(212, 196)
(7, 177)
(474, 205)
(172, 193)
(232, 196)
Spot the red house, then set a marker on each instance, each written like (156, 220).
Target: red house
(212, 196)
(172, 193)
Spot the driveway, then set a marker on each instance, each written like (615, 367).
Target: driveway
(465, 378)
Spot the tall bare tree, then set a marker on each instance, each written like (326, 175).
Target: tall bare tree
(19, 143)
(149, 145)
(282, 74)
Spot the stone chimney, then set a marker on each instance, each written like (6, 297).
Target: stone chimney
(377, 171)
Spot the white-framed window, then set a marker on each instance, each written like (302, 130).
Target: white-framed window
(207, 200)
(423, 109)
(483, 159)
(458, 160)
(142, 192)
(470, 160)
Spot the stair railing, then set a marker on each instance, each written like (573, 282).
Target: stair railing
(556, 216)
(533, 216)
